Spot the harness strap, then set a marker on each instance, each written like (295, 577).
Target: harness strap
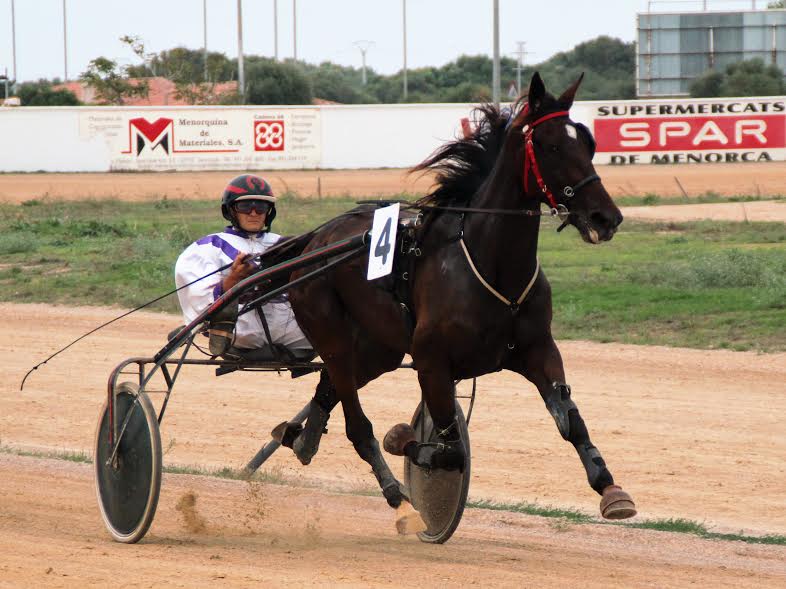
(531, 162)
(494, 291)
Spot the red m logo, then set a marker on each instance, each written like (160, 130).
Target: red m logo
(154, 134)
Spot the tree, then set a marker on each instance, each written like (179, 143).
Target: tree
(744, 78)
(774, 5)
(272, 82)
(467, 92)
(708, 85)
(340, 84)
(184, 66)
(41, 93)
(609, 65)
(752, 78)
(111, 82)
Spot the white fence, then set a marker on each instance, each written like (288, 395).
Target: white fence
(100, 139)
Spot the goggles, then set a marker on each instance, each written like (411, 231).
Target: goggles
(262, 207)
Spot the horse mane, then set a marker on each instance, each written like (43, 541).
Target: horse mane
(463, 165)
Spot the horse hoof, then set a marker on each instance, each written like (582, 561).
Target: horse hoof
(616, 503)
(304, 451)
(408, 521)
(398, 438)
(286, 432)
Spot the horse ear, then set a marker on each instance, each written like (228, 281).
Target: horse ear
(537, 90)
(569, 94)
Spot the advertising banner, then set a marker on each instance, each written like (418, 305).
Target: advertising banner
(215, 139)
(690, 131)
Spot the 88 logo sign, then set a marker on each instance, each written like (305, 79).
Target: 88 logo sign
(268, 135)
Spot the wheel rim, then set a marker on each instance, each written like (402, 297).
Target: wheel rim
(128, 489)
(439, 495)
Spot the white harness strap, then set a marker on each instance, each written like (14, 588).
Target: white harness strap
(494, 291)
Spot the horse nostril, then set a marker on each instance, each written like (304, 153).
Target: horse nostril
(601, 220)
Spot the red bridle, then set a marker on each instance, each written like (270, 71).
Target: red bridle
(531, 162)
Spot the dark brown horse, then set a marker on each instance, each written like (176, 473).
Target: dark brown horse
(478, 300)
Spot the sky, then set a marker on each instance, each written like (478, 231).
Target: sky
(438, 31)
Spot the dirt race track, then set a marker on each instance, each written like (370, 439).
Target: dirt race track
(766, 179)
(690, 434)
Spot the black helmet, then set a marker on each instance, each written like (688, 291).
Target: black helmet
(247, 187)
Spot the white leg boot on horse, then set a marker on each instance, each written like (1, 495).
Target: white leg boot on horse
(352, 360)
(545, 370)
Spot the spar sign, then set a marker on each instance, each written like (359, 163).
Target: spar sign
(674, 132)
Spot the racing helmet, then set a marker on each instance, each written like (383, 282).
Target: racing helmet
(247, 187)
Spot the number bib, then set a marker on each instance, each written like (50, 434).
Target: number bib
(383, 241)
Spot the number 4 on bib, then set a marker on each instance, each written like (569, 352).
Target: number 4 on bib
(383, 242)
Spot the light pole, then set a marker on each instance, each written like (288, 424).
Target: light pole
(364, 47)
(275, 29)
(294, 27)
(495, 73)
(204, 30)
(404, 27)
(13, 38)
(65, 42)
(241, 77)
(4, 77)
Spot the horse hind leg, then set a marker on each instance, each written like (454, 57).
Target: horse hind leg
(408, 520)
(306, 444)
(370, 360)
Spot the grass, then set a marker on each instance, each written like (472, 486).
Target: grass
(674, 525)
(706, 198)
(562, 516)
(699, 284)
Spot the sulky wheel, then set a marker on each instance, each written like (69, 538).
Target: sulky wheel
(128, 488)
(439, 495)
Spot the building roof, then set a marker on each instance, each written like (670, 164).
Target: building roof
(161, 92)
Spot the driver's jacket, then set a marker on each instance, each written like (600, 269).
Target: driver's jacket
(219, 249)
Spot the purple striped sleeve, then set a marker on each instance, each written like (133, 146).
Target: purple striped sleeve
(216, 241)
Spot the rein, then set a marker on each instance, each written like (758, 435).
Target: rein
(519, 212)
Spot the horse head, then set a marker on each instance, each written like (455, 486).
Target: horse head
(557, 162)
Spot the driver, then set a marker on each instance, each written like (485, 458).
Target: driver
(249, 205)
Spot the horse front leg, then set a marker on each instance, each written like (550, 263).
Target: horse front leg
(439, 396)
(542, 365)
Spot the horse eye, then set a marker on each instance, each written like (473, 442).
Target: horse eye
(554, 148)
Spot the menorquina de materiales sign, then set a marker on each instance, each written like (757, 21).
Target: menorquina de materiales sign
(690, 131)
(210, 139)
